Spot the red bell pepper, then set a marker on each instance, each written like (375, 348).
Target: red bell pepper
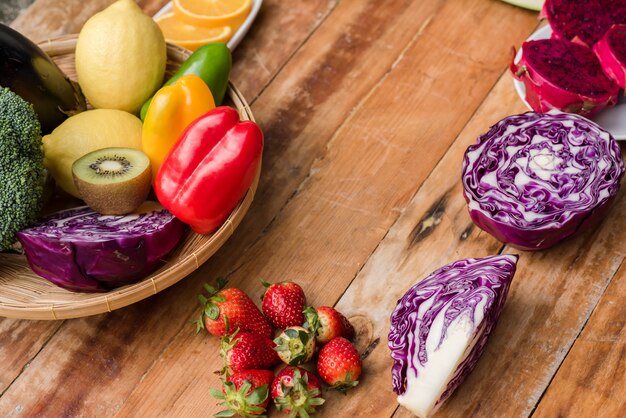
(210, 168)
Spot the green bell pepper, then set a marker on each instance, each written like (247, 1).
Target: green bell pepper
(212, 63)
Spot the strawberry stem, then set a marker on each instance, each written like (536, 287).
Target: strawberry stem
(298, 399)
(312, 321)
(209, 307)
(243, 402)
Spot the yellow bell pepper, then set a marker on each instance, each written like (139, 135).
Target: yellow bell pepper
(173, 108)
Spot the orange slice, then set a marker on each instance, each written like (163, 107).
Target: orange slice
(212, 13)
(188, 36)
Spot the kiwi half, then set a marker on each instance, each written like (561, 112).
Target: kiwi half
(113, 181)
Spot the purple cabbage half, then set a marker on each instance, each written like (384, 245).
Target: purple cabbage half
(441, 325)
(81, 250)
(535, 179)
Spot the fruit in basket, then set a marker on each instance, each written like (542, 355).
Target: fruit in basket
(328, 323)
(533, 180)
(583, 21)
(245, 350)
(296, 392)
(113, 181)
(230, 309)
(339, 364)
(440, 326)
(212, 13)
(30, 73)
(86, 132)
(21, 166)
(173, 108)
(563, 75)
(212, 63)
(245, 393)
(120, 57)
(210, 169)
(188, 36)
(611, 51)
(84, 251)
(295, 345)
(283, 304)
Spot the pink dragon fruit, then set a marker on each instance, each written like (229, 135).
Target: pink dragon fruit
(611, 51)
(563, 75)
(583, 21)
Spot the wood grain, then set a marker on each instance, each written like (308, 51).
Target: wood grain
(325, 81)
(278, 32)
(46, 19)
(350, 180)
(530, 335)
(20, 341)
(592, 379)
(367, 111)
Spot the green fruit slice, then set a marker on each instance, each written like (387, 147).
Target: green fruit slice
(113, 181)
(527, 4)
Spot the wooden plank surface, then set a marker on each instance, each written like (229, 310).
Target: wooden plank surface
(592, 379)
(367, 110)
(344, 208)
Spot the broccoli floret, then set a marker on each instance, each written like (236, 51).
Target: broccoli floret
(21, 166)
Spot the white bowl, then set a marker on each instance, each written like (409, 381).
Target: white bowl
(241, 32)
(613, 119)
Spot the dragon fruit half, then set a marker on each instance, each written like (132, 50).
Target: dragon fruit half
(563, 75)
(611, 51)
(584, 21)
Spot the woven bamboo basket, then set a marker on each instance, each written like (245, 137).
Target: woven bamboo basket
(25, 295)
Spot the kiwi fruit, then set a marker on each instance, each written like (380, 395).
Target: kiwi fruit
(113, 181)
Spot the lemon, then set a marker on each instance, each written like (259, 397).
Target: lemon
(86, 132)
(120, 57)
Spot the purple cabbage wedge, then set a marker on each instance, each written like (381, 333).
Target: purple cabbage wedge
(441, 325)
(81, 250)
(536, 179)
(583, 21)
(611, 52)
(563, 75)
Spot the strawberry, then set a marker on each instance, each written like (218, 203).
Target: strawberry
(328, 323)
(295, 345)
(234, 304)
(296, 391)
(244, 393)
(339, 364)
(283, 304)
(246, 350)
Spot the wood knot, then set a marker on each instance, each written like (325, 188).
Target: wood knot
(429, 221)
(365, 341)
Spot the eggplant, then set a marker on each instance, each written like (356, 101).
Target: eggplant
(29, 72)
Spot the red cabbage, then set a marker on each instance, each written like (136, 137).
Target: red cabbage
(81, 250)
(441, 325)
(535, 179)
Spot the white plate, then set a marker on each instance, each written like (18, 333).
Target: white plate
(241, 32)
(613, 119)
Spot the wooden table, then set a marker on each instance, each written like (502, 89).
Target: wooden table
(367, 110)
